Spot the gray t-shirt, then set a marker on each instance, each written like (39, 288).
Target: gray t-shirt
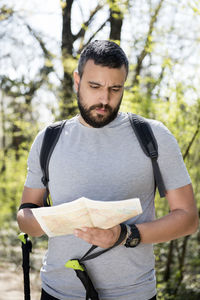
(105, 164)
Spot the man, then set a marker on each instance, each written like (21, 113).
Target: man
(99, 157)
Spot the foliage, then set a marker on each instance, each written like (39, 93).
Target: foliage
(11, 185)
(163, 84)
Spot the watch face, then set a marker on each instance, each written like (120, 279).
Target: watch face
(134, 238)
(134, 242)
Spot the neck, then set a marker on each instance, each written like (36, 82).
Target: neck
(82, 121)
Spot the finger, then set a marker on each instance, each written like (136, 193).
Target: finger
(103, 238)
(91, 236)
(84, 234)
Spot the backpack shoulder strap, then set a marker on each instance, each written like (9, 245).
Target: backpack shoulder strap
(149, 145)
(50, 140)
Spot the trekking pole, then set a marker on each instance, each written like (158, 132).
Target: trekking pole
(26, 249)
(82, 274)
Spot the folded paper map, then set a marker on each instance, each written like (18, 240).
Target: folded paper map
(83, 212)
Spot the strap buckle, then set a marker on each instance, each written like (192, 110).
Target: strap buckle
(44, 180)
(74, 264)
(152, 151)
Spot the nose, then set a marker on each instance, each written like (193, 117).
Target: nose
(104, 97)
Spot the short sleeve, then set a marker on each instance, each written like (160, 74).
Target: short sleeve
(172, 166)
(34, 174)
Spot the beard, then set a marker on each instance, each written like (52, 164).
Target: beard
(99, 120)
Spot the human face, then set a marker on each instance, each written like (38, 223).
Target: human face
(99, 92)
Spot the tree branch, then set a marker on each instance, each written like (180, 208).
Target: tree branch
(46, 52)
(99, 29)
(145, 50)
(85, 25)
(192, 140)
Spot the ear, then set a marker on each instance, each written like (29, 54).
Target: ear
(76, 80)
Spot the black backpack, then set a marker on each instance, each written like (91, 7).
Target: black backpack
(144, 135)
(148, 144)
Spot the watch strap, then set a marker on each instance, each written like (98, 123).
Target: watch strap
(28, 205)
(133, 238)
(128, 232)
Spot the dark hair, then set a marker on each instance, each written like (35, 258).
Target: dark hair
(104, 53)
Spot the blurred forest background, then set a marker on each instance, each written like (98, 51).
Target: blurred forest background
(40, 42)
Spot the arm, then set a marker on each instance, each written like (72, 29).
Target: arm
(182, 220)
(26, 220)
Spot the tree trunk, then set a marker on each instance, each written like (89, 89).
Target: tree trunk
(67, 103)
(167, 272)
(116, 21)
(67, 109)
(182, 262)
(3, 140)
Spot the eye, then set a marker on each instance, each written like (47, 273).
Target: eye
(94, 86)
(115, 90)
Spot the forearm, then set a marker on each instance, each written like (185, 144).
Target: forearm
(28, 224)
(176, 224)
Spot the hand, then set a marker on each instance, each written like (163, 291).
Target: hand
(103, 238)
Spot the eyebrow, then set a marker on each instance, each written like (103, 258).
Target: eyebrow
(113, 86)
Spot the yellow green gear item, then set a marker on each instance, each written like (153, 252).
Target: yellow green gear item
(22, 238)
(74, 264)
(49, 201)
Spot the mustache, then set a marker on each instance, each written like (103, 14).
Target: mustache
(97, 106)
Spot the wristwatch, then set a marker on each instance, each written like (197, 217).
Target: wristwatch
(133, 236)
